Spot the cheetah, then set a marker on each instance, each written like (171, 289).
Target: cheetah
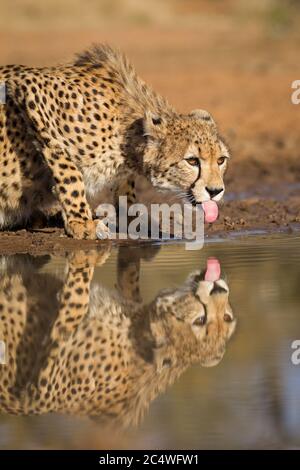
(67, 132)
(77, 347)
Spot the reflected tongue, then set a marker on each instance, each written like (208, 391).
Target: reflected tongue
(211, 211)
(213, 270)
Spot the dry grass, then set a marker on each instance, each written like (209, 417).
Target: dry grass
(93, 14)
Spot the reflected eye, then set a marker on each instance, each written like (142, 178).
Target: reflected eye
(228, 318)
(221, 160)
(200, 321)
(193, 161)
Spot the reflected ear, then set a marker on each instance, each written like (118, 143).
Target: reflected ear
(154, 126)
(202, 115)
(162, 358)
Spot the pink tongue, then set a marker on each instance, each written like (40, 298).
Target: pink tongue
(213, 270)
(211, 211)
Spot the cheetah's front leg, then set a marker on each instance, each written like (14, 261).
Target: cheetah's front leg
(74, 297)
(125, 187)
(74, 304)
(70, 190)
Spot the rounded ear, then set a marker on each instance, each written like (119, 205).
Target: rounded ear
(154, 126)
(162, 358)
(202, 115)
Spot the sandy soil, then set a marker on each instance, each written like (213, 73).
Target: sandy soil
(239, 69)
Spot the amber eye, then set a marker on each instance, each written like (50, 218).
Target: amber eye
(221, 160)
(200, 321)
(193, 161)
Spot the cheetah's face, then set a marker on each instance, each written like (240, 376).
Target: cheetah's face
(185, 154)
(199, 317)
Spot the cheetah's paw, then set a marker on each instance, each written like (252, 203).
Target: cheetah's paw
(81, 229)
(102, 231)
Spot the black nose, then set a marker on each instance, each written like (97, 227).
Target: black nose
(218, 290)
(213, 191)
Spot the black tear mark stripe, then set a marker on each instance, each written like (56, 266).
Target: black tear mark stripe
(198, 177)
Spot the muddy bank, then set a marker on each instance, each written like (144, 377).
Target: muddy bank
(274, 212)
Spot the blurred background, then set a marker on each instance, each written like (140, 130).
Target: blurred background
(235, 58)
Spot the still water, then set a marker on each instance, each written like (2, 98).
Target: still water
(152, 347)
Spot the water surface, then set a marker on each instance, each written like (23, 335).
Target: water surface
(152, 316)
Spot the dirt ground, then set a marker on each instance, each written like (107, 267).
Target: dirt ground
(235, 62)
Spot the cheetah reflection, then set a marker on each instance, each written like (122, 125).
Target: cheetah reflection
(76, 347)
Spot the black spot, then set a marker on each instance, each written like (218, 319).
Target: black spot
(156, 121)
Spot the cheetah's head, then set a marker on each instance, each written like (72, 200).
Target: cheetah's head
(196, 320)
(185, 154)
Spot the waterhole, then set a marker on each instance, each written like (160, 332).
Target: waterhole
(152, 346)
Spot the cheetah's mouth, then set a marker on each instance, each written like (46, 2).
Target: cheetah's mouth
(211, 211)
(210, 208)
(212, 271)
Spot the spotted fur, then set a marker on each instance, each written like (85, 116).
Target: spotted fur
(67, 132)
